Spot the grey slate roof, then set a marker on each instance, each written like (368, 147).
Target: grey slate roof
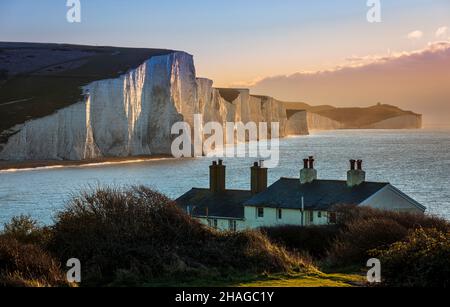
(229, 204)
(286, 193)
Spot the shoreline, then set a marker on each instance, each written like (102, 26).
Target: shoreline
(25, 165)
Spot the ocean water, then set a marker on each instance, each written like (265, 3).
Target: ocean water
(416, 162)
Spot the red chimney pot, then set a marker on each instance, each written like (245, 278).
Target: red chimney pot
(359, 163)
(305, 163)
(311, 162)
(352, 165)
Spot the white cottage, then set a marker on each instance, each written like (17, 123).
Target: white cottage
(302, 202)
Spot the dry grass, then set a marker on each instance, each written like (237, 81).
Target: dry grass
(136, 235)
(27, 265)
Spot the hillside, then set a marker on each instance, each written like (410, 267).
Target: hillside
(297, 106)
(90, 102)
(362, 117)
(355, 117)
(38, 79)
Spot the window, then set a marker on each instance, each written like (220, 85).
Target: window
(311, 216)
(279, 214)
(260, 213)
(319, 214)
(232, 225)
(332, 218)
(212, 223)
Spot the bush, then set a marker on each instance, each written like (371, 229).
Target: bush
(25, 230)
(349, 214)
(314, 241)
(4, 74)
(421, 260)
(26, 265)
(139, 235)
(364, 229)
(352, 246)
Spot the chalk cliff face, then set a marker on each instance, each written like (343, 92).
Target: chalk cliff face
(244, 108)
(133, 115)
(297, 123)
(128, 116)
(304, 122)
(399, 122)
(318, 122)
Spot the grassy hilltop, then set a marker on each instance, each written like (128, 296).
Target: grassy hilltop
(38, 79)
(354, 117)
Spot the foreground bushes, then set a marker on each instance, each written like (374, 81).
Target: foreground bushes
(137, 236)
(26, 265)
(364, 229)
(313, 241)
(414, 249)
(421, 260)
(131, 237)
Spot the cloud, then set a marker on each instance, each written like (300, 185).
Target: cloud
(362, 61)
(442, 32)
(415, 35)
(415, 80)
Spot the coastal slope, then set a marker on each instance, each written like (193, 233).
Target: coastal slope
(66, 102)
(380, 116)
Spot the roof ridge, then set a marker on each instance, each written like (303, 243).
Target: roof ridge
(334, 180)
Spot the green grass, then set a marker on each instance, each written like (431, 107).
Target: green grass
(293, 280)
(307, 280)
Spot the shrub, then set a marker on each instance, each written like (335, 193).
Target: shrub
(139, 235)
(314, 241)
(363, 229)
(352, 246)
(25, 230)
(4, 74)
(27, 265)
(421, 260)
(349, 214)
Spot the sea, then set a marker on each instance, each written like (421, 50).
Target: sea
(415, 161)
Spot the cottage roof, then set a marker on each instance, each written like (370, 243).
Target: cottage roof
(228, 204)
(287, 193)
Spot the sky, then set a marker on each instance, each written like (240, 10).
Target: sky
(248, 43)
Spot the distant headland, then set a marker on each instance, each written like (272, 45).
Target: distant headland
(80, 103)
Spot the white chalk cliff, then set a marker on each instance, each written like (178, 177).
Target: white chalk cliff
(128, 116)
(133, 114)
(399, 122)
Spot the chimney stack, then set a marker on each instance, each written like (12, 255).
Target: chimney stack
(352, 165)
(217, 177)
(308, 174)
(305, 163)
(311, 162)
(258, 178)
(359, 164)
(356, 175)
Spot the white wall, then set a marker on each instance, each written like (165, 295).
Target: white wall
(251, 221)
(223, 224)
(289, 217)
(389, 199)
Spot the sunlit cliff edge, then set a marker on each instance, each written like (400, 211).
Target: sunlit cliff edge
(65, 102)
